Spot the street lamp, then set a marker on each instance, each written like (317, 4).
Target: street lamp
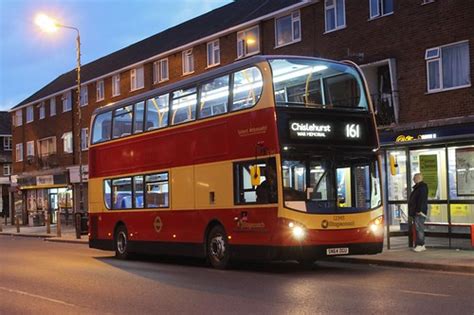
(49, 25)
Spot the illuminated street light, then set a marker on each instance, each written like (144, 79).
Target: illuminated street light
(50, 25)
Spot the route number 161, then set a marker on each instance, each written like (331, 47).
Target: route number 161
(353, 131)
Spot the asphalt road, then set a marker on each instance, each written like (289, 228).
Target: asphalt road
(38, 277)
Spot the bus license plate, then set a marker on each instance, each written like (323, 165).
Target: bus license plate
(337, 251)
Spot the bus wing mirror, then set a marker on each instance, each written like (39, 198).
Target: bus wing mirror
(255, 175)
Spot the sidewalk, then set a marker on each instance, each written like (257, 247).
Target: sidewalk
(68, 233)
(436, 257)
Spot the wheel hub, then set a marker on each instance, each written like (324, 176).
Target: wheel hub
(121, 242)
(218, 247)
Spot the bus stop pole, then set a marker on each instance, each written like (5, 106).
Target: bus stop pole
(46, 218)
(58, 223)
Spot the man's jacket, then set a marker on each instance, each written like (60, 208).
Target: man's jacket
(418, 199)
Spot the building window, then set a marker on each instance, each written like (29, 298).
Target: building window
(42, 110)
(335, 14)
(30, 148)
(136, 78)
(18, 118)
(116, 85)
(448, 67)
(84, 139)
(7, 143)
(67, 142)
(29, 114)
(19, 152)
(52, 106)
(380, 8)
(7, 169)
(288, 29)
(248, 42)
(84, 96)
(46, 146)
(67, 101)
(160, 70)
(213, 53)
(188, 61)
(100, 94)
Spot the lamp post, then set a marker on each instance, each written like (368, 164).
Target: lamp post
(50, 25)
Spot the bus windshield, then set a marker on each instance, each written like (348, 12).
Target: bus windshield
(319, 185)
(317, 83)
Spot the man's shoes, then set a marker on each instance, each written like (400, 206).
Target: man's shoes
(419, 248)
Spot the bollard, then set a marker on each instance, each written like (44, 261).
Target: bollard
(17, 223)
(78, 222)
(58, 224)
(1, 228)
(48, 225)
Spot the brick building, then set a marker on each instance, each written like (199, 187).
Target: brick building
(416, 55)
(5, 162)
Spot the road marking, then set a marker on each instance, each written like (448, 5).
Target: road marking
(425, 293)
(37, 296)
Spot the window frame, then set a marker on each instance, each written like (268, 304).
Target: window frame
(30, 148)
(50, 152)
(187, 55)
(211, 50)
(30, 111)
(42, 111)
(52, 104)
(7, 143)
(335, 6)
(135, 75)
(68, 143)
(244, 46)
(380, 9)
(19, 157)
(84, 139)
(116, 85)
(66, 101)
(439, 58)
(159, 75)
(7, 169)
(99, 91)
(19, 118)
(293, 19)
(84, 96)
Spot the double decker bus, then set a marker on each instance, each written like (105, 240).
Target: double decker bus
(272, 157)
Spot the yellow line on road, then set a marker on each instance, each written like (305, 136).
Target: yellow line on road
(425, 293)
(37, 296)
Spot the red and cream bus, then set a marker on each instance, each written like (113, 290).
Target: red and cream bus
(272, 157)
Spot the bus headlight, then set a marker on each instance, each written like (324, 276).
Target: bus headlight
(376, 226)
(298, 231)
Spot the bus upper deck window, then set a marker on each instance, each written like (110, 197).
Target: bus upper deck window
(122, 122)
(214, 97)
(247, 88)
(102, 127)
(138, 113)
(157, 109)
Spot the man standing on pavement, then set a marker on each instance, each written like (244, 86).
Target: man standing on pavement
(418, 210)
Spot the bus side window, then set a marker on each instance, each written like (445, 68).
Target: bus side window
(122, 121)
(108, 193)
(157, 110)
(247, 88)
(214, 97)
(138, 112)
(138, 191)
(183, 106)
(122, 193)
(265, 192)
(102, 124)
(156, 190)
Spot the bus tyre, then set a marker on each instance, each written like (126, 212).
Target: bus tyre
(218, 251)
(121, 243)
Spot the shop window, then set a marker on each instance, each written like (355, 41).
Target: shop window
(122, 122)
(102, 127)
(157, 109)
(183, 106)
(397, 175)
(247, 190)
(214, 97)
(247, 88)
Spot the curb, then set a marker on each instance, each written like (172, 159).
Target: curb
(405, 264)
(76, 241)
(27, 235)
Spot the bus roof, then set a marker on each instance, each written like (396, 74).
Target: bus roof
(201, 78)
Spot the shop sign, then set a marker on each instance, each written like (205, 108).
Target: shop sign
(74, 175)
(405, 138)
(459, 210)
(44, 180)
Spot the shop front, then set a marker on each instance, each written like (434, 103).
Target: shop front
(45, 194)
(445, 157)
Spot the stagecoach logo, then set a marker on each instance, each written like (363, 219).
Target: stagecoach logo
(250, 226)
(337, 222)
(310, 130)
(157, 224)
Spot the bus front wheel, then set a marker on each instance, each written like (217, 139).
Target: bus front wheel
(218, 251)
(121, 243)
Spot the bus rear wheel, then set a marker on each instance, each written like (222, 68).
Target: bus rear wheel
(218, 251)
(121, 243)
